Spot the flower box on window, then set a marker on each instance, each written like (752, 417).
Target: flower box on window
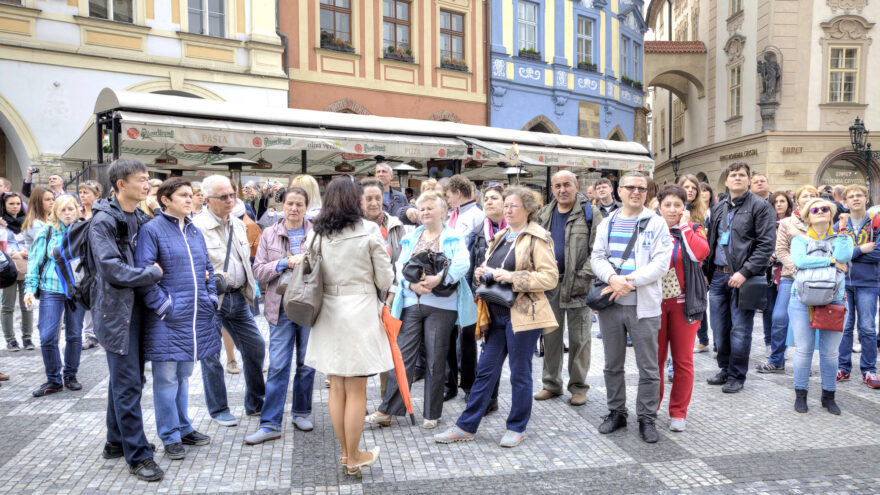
(328, 42)
(454, 64)
(631, 83)
(530, 53)
(588, 66)
(400, 54)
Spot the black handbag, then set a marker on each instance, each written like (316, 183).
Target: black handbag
(493, 292)
(425, 263)
(595, 299)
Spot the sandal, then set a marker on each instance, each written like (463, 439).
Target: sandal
(378, 418)
(355, 469)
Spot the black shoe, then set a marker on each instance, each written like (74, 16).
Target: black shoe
(732, 386)
(147, 470)
(12, 346)
(800, 401)
(175, 451)
(195, 438)
(492, 407)
(114, 450)
(71, 383)
(828, 402)
(451, 393)
(27, 344)
(648, 431)
(613, 422)
(47, 388)
(719, 379)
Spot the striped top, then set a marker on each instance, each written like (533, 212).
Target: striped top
(619, 234)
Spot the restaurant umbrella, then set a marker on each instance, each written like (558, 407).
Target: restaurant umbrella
(392, 328)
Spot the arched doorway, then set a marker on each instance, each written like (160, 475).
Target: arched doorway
(541, 124)
(845, 167)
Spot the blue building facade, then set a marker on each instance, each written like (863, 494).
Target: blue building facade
(567, 66)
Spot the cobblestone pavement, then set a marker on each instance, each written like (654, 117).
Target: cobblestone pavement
(751, 442)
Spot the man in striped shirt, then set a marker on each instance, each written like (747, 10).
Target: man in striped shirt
(634, 281)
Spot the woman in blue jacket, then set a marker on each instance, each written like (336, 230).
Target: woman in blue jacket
(180, 328)
(428, 319)
(817, 214)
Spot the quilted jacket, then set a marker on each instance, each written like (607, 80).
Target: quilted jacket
(179, 325)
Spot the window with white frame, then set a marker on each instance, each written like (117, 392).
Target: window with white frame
(636, 55)
(695, 25)
(207, 17)
(677, 120)
(662, 130)
(527, 25)
(115, 10)
(585, 40)
(843, 74)
(624, 56)
(736, 7)
(734, 100)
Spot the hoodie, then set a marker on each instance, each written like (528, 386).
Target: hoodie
(865, 270)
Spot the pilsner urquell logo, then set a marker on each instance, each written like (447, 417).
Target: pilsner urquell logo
(373, 147)
(276, 141)
(158, 133)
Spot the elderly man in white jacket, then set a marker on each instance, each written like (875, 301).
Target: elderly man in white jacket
(635, 283)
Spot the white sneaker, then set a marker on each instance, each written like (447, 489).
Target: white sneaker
(430, 424)
(676, 424)
(857, 348)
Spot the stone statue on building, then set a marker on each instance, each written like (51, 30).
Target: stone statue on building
(771, 74)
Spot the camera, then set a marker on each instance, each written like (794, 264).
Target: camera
(35, 170)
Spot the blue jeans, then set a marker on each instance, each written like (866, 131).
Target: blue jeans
(861, 303)
(170, 398)
(780, 324)
(125, 422)
(53, 306)
(235, 315)
(803, 355)
(731, 328)
(500, 343)
(283, 337)
(767, 314)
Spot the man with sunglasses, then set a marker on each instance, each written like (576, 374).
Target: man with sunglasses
(631, 254)
(742, 237)
(229, 251)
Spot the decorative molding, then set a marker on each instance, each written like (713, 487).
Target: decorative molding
(735, 22)
(847, 28)
(347, 105)
(847, 6)
(559, 101)
(444, 116)
(734, 48)
(542, 120)
(498, 93)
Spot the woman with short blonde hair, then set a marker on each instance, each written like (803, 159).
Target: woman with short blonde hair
(310, 186)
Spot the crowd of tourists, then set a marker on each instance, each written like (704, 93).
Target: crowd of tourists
(473, 277)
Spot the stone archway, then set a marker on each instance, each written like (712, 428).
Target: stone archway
(616, 134)
(175, 88)
(347, 105)
(840, 159)
(444, 116)
(18, 133)
(541, 124)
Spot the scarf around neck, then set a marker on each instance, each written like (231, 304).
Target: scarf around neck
(813, 235)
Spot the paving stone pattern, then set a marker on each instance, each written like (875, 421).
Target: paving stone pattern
(751, 442)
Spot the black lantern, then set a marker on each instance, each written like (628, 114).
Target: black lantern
(676, 164)
(858, 137)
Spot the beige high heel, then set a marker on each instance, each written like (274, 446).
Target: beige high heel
(355, 470)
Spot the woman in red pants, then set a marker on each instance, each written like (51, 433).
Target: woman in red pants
(684, 301)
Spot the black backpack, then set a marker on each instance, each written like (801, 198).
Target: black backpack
(8, 272)
(73, 264)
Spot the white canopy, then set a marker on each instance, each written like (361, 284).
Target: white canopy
(198, 132)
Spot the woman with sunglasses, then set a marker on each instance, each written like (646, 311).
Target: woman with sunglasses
(89, 192)
(17, 251)
(786, 230)
(817, 215)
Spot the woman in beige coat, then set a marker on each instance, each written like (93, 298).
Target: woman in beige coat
(348, 342)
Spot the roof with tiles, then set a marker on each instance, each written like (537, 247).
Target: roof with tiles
(675, 47)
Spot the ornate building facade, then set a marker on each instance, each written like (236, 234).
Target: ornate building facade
(57, 55)
(775, 84)
(399, 58)
(569, 67)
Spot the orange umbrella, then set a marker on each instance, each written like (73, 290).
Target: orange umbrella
(392, 328)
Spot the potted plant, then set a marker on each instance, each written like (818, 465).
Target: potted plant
(453, 64)
(399, 53)
(631, 83)
(330, 43)
(530, 53)
(588, 66)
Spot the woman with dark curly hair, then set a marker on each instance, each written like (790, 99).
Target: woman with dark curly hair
(348, 342)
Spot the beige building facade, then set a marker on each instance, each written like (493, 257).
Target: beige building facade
(57, 55)
(791, 122)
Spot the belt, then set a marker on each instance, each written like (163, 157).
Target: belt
(349, 289)
(723, 269)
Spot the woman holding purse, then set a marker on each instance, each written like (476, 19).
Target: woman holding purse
(817, 215)
(17, 251)
(428, 318)
(281, 248)
(521, 255)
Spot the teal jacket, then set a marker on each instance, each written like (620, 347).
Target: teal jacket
(454, 247)
(41, 271)
(841, 250)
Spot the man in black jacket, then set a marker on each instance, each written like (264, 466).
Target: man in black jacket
(742, 237)
(118, 313)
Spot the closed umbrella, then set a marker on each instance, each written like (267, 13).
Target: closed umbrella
(392, 328)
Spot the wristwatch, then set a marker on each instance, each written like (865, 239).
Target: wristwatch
(833, 261)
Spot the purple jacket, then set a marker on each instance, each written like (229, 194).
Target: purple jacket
(274, 245)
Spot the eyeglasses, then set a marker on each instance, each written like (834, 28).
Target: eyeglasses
(820, 209)
(225, 197)
(639, 189)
